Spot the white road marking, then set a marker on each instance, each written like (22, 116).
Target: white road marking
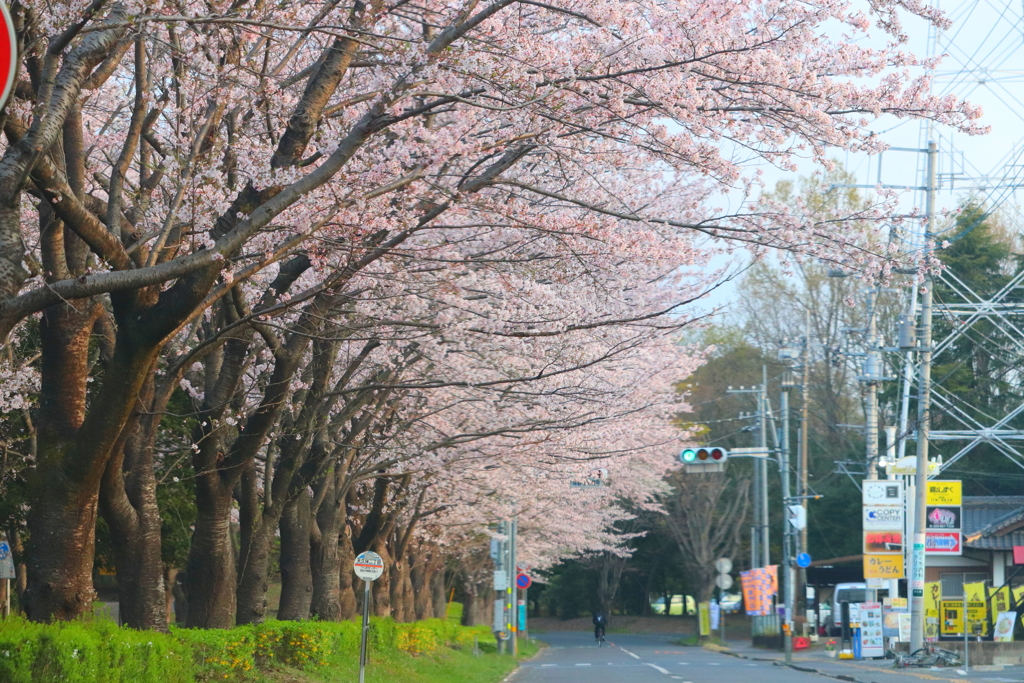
(584, 664)
(630, 653)
(714, 664)
(657, 668)
(684, 664)
(543, 665)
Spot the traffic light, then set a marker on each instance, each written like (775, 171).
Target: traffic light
(704, 459)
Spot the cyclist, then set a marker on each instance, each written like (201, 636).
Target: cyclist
(600, 624)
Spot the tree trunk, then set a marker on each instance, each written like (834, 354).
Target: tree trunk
(128, 504)
(140, 572)
(257, 536)
(210, 575)
(60, 566)
(346, 583)
(381, 588)
(408, 596)
(170, 578)
(438, 594)
(296, 573)
(470, 608)
(399, 578)
(65, 485)
(421, 574)
(325, 557)
(18, 555)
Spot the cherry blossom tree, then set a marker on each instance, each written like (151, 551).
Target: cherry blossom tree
(528, 187)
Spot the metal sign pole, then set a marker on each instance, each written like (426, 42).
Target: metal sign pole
(366, 628)
(369, 566)
(967, 655)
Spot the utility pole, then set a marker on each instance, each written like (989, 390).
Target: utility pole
(759, 533)
(872, 369)
(872, 374)
(923, 419)
(788, 537)
(512, 607)
(805, 403)
(763, 466)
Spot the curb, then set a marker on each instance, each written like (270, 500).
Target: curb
(795, 667)
(540, 648)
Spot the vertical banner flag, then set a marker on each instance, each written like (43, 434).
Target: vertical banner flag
(704, 612)
(758, 588)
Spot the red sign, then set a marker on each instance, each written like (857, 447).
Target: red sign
(942, 543)
(883, 541)
(524, 581)
(1018, 554)
(8, 54)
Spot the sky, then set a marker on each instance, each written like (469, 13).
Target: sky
(981, 51)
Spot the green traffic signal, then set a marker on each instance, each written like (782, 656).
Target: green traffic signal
(688, 455)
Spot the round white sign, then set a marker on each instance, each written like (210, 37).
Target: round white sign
(369, 566)
(723, 565)
(723, 581)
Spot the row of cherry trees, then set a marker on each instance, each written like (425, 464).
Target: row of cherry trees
(383, 273)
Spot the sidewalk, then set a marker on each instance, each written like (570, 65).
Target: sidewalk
(872, 670)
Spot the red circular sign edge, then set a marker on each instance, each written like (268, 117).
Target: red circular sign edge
(8, 53)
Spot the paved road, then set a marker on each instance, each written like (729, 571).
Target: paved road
(573, 658)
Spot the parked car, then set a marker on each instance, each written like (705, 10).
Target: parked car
(732, 602)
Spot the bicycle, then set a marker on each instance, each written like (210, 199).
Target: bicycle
(928, 656)
(600, 638)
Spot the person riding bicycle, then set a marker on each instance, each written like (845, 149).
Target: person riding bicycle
(600, 623)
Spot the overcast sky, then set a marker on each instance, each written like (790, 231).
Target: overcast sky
(984, 63)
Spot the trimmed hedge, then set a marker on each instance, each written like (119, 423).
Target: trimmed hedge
(100, 652)
(90, 652)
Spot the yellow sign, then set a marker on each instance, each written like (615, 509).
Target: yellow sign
(883, 566)
(977, 622)
(944, 493)
(704, 612)
(999, 601)
(932, 594)
(952, 617)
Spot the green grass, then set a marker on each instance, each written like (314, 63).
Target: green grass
(455, 666)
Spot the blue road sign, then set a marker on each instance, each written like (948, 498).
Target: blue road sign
(803, 560)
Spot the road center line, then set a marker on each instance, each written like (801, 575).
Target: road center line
(629, 653)
(657, 668)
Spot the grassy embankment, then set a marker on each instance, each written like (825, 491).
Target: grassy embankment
(97, 651)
